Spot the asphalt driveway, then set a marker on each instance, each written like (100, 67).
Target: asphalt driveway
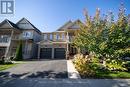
(38, 69)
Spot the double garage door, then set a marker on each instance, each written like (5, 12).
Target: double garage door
(46, 53)
(59, 53)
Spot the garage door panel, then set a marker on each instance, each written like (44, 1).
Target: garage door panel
(46, 53)
(59, 53)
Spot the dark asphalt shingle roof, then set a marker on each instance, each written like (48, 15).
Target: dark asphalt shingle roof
(10, 23)
(36, 29)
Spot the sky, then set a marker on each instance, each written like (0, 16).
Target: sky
(49, 15)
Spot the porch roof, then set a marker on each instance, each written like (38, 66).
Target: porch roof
(52, 42)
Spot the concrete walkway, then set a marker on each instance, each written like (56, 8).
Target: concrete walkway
(39, 82)
(72, 72)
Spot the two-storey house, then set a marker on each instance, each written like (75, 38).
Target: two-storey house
(11, 33)
(58, 44)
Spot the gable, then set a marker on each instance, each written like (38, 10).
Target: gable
(24, 24)
(8, 24)
(22, 21)
(74, 26)
(65, 26)
(5, 25)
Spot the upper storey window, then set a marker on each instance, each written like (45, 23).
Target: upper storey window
(4, 38)
(63, 36)
(27, 34)
(51, 37)
(57, 36)
(45, 36)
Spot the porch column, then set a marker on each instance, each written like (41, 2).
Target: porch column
(54, 36)
(67, 47)
(52, 53)
(48, 36)
(60, 34)
(8, 49)
(39, 48)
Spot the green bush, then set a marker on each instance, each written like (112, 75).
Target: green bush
(8, 60)
(83, 66)
(115, 65)
(127, 65)
(2, 60)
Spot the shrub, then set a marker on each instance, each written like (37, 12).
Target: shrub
(115, 65)
(2, 60)
(19, 55)
(8, 60)
(83, 66)
(127, 65)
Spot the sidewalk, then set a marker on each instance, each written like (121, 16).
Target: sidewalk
(39, 82)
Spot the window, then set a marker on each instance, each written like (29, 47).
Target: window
(27, 34)
(51, 37)
(45, 36)
(63, 36)
(4, 38)
(57, 36)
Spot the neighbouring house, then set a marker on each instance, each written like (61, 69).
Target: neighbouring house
(11, 33)
(58, 44)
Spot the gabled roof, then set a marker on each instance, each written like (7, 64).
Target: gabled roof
(75, 25)
(66, 25)
(70, 25)
(9, 24)
(28, 24)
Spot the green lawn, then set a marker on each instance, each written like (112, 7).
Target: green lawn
(6, 66)
(111, 74)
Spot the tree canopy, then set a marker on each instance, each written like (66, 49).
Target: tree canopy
(104, 36)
